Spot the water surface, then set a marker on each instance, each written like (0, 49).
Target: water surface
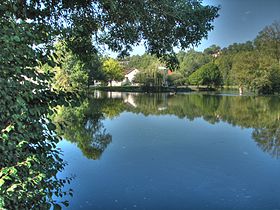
(167, 151)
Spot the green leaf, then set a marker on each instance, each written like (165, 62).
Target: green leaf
(1, 182)
(17, 39)
(5, 136)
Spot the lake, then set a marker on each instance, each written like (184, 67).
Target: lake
(173, 151)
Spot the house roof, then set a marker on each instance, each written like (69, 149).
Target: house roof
(127, 71)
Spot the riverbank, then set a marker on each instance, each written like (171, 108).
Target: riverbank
(153, 89)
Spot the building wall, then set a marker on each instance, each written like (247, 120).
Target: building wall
(115, 83)
(128, 77)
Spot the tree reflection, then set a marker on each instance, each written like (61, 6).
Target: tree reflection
(84, 126)
(260, 113)
(268, 139)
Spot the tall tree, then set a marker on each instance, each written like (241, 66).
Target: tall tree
(224, 63)
(244, 68)
(70, 74)
(268, 40)
(113, 70)
(226, 59)
(191, 61)
(151, 76)
(256, 72)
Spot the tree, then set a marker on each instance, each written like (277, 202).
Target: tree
(213, 49)
(176, 78)
(268, 40)
(224, 63)
(71, 73)
(191, 61)
(208, 75)
(226, 59)
(267, 78)
(151, 76)
(239, 47)
(257, 72)
(244, 68)
(28, 153)
(28, 29)
(141, 62)
(113, 71)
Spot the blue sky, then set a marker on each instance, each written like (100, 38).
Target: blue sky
(239, 21)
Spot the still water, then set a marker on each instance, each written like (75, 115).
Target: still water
(164, 151)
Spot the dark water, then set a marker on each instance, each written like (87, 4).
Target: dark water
(184, 151)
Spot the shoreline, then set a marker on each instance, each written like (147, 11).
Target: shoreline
(143, 89)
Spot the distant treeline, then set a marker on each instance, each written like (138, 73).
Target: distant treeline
(254, 65)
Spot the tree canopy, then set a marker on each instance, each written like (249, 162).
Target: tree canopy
(268, 40)
(213, 49)
(208, 75)
(113, 70)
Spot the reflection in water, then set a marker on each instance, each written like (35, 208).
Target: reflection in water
(83, 125)
(260, 113)
(268, 139)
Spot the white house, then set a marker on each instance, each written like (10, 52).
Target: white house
(128, 78)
